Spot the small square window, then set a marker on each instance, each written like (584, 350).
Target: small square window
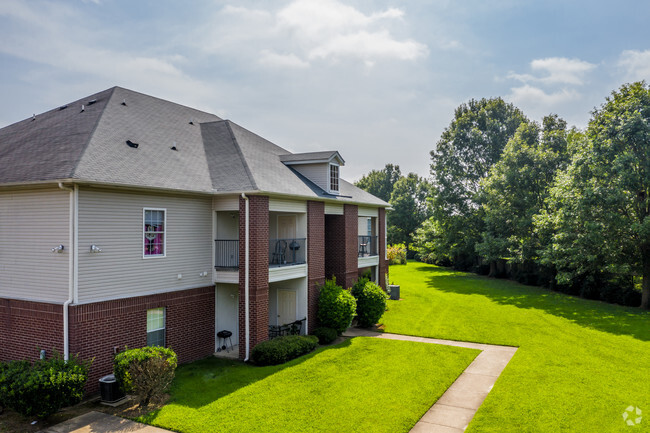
(155, 224)
(334, 177)
(156, 327)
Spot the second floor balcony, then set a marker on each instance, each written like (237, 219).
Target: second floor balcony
(368, 246)
(282, 252)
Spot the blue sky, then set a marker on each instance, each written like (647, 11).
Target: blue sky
(376, 80)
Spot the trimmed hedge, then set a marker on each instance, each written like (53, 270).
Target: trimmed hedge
(371, 303)
(283, 349)
(123, 361)
(325, 335)
(336, 306)
(42, 388)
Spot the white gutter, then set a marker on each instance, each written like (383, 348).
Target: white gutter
(246, 279)
(72, 266)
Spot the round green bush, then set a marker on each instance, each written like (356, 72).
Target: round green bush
(325, 335)
(283, 349)
(336, 306)
(371, 305)
(123, 361)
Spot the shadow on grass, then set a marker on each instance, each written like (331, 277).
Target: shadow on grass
(601, 316)
(202, 382)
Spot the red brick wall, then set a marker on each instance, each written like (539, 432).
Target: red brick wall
(258, 271)
(95, 329)
(26, 327)
(341, 246)
(383, 263)
(315, 257)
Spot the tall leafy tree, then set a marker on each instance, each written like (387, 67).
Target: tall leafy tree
(517, 187)
(599, 213)
(409, 202)
(380, 183)
(463, 156)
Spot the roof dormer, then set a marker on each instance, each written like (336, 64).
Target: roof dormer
(322, 168)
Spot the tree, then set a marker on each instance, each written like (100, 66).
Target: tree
(409, 202)
(380, 183)
(599, 209)
(466, 151)
(516, 190)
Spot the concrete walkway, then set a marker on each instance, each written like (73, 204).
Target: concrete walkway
(98, 422)
(457, 406)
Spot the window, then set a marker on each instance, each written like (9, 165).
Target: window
(369, 226)
(334, 177)
(155, 224)
(156, 327)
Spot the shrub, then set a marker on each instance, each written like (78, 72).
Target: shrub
(371, 304)
(325, 335)
(151, 378)
(283, 349)
(122, 367)
(336, 306)
(396, 254)
(43, 388)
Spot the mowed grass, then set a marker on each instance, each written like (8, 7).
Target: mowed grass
(361, 385)
(580, 363)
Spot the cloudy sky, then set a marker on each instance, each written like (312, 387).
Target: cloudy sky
(377, 80)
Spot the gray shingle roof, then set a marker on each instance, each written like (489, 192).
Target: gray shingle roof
(311, 156)
(212, 155)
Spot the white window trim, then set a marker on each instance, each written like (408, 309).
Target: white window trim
(154, 256)
(329, 178)
(164, 327)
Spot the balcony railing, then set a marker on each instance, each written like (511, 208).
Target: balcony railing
(367, 246)
(226, 254)
(284, 252)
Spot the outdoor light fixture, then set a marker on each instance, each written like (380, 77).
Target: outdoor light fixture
(95, 249)
(58, 249)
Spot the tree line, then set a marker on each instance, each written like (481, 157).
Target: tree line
(542, 203)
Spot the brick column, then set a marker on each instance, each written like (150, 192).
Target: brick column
(315, 257)
(258, 271)
(342, 246)
(383, 263)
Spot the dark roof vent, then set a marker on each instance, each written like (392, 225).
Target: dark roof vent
(191, 121)
(173, 146)
(63, 107)
(124, 102)
(92, 101)
(132, 144)
(33, 117)
(83, 108)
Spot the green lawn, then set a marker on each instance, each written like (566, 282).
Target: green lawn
(580, 363)
(361, 385)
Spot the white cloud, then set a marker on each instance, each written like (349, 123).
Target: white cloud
(269, 58)
(556, 70)
(529, 96)
(312, 30)
(635, 64)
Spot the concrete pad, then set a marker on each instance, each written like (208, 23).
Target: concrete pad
(98, 422)
(449, 416)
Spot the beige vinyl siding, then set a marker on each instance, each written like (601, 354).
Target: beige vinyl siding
(113, 222)
(31, 224)
(333, 209)
(282, 205)
(317, 173)
(368, 211)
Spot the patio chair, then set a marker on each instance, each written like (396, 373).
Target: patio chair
(279, 255)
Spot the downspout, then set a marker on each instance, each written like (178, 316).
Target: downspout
(72, 267)
(246, 278)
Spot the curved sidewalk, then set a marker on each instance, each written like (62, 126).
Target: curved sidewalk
(457, 406)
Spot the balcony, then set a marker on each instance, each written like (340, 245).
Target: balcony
(367, 246)
(286, 252)
(226, 254)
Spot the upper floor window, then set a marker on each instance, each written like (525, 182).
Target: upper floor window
(155, 224)
(334, 177)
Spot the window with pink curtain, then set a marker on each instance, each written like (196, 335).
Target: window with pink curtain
(154, 232)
